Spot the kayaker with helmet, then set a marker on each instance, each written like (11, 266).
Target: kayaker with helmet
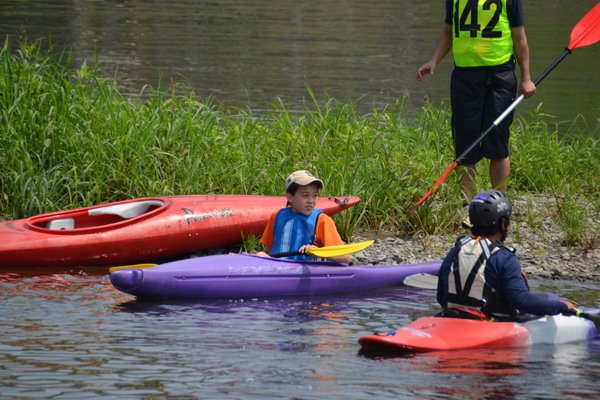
(481, 278)
(300, 226)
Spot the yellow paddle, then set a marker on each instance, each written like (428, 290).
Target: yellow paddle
(329, 251)
(140, 266)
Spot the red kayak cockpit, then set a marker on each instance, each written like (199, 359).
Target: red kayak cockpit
(98, 218)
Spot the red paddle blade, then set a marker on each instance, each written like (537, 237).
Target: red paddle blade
(587, 31)
(437, 184)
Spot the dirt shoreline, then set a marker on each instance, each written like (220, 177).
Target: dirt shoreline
(537, 238)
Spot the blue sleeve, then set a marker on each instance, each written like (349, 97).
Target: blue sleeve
(517, 293)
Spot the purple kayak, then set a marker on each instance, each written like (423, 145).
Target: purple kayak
(249, 276)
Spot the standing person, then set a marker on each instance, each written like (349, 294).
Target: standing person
(482, 279)
(486, 36)
(300, 226)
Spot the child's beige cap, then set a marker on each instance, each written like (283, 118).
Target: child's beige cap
(302, 178)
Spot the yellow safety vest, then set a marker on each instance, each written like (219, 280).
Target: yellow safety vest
(481, 33)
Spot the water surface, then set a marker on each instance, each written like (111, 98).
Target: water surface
(248, 53)
(68, 334)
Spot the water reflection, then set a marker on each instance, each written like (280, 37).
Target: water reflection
(248, 53)
(486, 361)
(503, 373)
(70, 334)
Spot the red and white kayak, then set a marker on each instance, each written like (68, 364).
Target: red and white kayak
(439, 333)
(138, 230)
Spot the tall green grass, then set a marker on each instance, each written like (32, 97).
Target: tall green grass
(69, 138)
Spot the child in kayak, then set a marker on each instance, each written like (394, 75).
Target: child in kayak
(481, 278)
(300, 226)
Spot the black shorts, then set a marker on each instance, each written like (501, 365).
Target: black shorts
(478, 96)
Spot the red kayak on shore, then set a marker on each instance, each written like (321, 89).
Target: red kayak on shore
(140, 230)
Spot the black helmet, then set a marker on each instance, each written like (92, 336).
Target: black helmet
(487, 208)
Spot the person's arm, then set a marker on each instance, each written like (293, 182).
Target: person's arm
(265, 253)
(519, 296)
(267, 236)
(521, 50)
(444, 44)
(344, 259)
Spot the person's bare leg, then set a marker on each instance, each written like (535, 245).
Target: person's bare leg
(499, 171)
(467, 176)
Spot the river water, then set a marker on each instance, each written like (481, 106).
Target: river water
(68, 334)
(248, 53)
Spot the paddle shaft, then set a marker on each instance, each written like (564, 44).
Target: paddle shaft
(287, 254)
(512, 106)
(595, 318)
(510, 109)
(585, 33)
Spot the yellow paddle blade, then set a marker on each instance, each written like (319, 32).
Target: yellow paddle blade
(334, 251)
(139, 266)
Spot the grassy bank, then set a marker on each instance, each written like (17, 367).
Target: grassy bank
(69, 138)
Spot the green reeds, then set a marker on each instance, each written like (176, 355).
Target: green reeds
(69, 138)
